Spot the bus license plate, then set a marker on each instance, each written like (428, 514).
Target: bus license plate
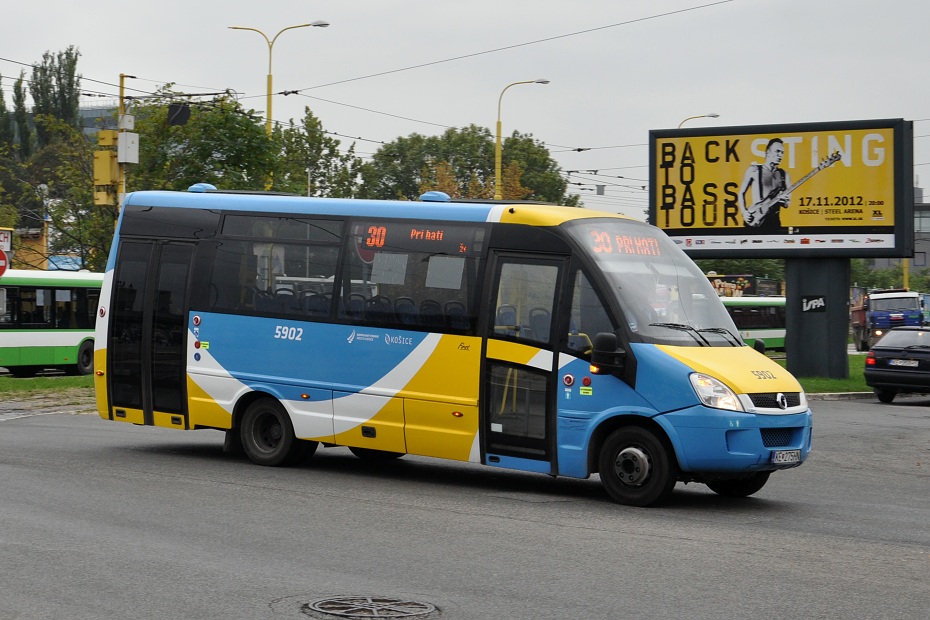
(907, 363)
(786, 456)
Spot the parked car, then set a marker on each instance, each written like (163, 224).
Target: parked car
(899, 363)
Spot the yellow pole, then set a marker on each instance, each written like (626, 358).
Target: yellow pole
(121, 174)
(270, 42)
(498, 165)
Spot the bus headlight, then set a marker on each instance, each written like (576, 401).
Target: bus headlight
(713, 393)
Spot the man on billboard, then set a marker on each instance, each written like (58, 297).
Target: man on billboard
(768, 182)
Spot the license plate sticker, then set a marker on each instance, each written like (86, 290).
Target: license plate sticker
(786, 456)
(906, 363)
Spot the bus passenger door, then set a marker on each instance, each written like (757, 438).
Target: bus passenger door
(147, 338)
(518, 396)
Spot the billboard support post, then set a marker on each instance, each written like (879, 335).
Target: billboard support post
(817, 313)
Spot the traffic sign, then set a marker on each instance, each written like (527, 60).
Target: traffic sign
(4, 262)
(6, 239)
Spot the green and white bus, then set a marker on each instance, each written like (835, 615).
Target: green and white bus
(759, 318)
(47, 320)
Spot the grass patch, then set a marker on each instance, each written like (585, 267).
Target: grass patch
(23, 387)
(821, 385)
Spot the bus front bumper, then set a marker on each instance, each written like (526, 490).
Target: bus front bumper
(716, 441)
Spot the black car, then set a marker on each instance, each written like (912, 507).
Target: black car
(899, 362)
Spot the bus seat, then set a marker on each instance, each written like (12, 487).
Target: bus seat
(406, 310)
(355, 306)
(457, 315)
(264, 301)
(506, 322)
(316, 305)
(540, 321)
(430, 313)
(286, 301)
(380, 309)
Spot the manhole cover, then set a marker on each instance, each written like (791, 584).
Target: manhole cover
(370, 607)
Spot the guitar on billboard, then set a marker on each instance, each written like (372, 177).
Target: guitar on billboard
(757, 213)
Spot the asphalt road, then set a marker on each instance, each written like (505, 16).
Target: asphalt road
(106, 520)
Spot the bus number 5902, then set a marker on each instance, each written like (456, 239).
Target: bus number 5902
(283, 332)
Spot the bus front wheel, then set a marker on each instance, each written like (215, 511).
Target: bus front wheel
(268, 435)
(636, 468)
(741, 487)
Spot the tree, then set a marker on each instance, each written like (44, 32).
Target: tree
(21, 117)
(222, 144)
(400, 169)
(311, 162)
(56, 90)
(63, 180)
(6, 122)
(440, 177)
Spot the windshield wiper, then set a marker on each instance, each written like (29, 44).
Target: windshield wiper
(698, 338)
(728, 335)
(918, 346)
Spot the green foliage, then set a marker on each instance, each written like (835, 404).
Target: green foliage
(56, 90)
(7, 132)
(222, 144)
(400, 169)
(21, 117)
(311, 163)
(64, 181)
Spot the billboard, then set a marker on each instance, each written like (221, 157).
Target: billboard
(838, 189)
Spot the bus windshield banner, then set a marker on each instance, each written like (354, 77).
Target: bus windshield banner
(817, 189)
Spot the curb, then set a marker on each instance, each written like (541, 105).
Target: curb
(840, 396)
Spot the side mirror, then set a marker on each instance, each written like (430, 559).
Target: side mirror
(607, 353)
(759, 345)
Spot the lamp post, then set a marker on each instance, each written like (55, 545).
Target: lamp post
(709, 115)
(270, 42)
(497, 145)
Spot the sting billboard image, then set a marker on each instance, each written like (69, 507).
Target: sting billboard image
(838, 189)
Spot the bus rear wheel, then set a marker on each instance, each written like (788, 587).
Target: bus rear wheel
(739, 487)
(85, 360)
(636, 468)
(268, 435)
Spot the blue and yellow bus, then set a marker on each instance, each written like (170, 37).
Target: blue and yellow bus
(538, 338)
(47, 320)
(759, 318)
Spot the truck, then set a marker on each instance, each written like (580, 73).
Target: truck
(874, 313)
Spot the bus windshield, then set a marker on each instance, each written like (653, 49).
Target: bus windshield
(664, 296)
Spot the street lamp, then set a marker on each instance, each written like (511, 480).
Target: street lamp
(710, 115)
(270, 42)
(497, 146)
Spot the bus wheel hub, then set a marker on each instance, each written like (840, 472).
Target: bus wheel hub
(632, 466)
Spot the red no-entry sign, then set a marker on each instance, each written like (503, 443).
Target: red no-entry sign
(4, 262)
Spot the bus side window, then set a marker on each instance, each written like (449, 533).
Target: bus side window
(588, 316)
(525, 301)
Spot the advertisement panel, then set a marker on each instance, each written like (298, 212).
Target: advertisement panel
(840, 189)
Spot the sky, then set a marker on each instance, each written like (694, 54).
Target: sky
(617, 68)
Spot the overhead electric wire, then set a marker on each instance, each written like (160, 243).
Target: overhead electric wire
(516, 45)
